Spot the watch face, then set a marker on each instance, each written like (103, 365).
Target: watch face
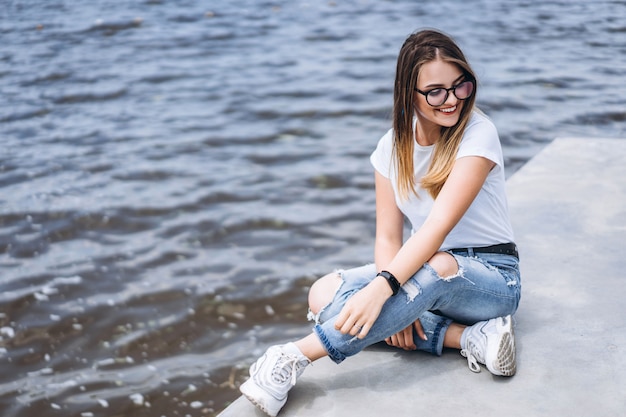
(393, 282)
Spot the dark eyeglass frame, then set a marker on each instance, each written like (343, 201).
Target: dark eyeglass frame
(447, 90)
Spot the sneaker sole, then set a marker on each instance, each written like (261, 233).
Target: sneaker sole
(504, 362)
(255, 395)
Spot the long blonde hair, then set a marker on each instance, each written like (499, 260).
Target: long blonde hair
(418, 49)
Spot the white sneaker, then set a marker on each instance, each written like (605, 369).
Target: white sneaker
(491, 343)
(272, 376)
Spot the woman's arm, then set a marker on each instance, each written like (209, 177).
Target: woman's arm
(461, 188)
(465, 181)
(389, 223)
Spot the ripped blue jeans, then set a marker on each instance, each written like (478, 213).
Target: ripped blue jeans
(485, 286)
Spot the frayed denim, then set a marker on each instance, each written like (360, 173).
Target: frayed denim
(485, 286)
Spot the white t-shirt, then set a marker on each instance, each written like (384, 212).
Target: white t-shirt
(486, 222)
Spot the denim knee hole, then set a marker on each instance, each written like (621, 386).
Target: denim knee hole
(317, 318)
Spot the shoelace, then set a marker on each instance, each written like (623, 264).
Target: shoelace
(473, 357)
(286, 367)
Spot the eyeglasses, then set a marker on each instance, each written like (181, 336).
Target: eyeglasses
(437, 96)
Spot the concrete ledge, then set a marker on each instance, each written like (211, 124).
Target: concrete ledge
(568, 206)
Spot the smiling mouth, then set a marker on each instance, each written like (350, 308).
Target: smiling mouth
(448, 110)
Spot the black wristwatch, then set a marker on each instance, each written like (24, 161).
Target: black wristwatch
(391, 280)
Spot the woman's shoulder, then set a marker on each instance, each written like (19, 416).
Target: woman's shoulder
(381, 156)
(479, 120)
(480, 128)
(481, 138)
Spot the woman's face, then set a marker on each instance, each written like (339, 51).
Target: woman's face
(439, 75)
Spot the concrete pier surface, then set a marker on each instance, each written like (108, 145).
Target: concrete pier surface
(568, 206)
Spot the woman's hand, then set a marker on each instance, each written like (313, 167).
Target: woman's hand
(404, 338)
(362, 309)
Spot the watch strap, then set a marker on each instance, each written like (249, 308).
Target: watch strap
(391, 280)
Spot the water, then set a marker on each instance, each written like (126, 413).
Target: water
(174, 175)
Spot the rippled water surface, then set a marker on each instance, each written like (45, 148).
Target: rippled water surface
(175, 174)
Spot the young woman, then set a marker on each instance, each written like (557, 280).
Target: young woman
(455, 282)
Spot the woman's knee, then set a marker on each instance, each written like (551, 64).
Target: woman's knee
(444, 264)
(323, 291)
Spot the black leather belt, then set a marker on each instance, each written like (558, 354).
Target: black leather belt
(503, 248)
